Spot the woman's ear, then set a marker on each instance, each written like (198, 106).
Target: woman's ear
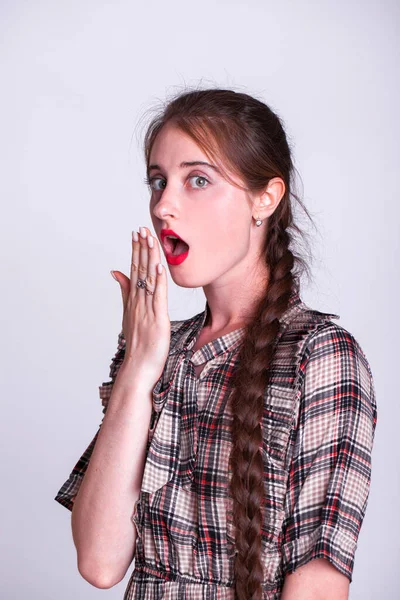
(267, 201)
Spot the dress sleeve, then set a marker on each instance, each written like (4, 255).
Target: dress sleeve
(69, 489)
(330, 468)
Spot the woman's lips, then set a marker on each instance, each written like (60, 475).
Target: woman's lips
(169, 246)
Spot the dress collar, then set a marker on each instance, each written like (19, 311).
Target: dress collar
(224, 343)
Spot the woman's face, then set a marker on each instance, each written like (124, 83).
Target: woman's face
(212, 216)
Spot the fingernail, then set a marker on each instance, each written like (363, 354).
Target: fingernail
(112, 273)
(135, 236)
(142, 232)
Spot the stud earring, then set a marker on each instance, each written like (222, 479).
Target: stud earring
(258, 220)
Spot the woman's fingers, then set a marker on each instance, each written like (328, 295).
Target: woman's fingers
(145, 258)
(160, 302)
(135, 261)
(153, 259)
(124, 284)
(143, 261)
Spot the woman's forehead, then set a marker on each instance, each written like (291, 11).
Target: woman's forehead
(174, 142)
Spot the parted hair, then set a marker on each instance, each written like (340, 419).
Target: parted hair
(243, 134)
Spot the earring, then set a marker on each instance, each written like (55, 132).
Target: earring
(258, 221)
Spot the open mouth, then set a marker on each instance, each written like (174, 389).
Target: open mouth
(175, 246)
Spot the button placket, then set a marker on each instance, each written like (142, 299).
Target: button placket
(189, 424)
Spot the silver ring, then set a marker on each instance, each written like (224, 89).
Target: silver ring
(141, 283)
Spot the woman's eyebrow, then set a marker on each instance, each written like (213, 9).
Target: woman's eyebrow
(184, 164)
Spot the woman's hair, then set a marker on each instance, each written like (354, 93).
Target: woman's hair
(242, 133)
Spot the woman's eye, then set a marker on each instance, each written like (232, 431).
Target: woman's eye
(152, 182)
(202, 179)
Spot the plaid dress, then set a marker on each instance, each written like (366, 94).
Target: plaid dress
(318, 424)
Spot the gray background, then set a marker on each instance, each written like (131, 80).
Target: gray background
(76, 80)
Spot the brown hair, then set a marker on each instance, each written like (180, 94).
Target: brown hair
(243, 133)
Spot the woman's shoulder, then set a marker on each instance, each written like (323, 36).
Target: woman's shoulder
(328, 336)
(333, 363)
(313, 324)
(316, 339)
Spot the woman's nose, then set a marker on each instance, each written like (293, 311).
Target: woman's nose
(167, 204)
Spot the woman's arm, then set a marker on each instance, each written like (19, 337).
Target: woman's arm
(102, 529)
(316, 580)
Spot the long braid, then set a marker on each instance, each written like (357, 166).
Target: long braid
(247, 482)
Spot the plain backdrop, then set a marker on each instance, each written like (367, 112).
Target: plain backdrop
(78, 80)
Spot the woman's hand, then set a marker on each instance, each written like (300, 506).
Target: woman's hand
(145, 324)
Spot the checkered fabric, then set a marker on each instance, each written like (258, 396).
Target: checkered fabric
(319, 424)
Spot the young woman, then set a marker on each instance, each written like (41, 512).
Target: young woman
(233, 460)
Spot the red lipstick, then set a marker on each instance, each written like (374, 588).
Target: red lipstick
(169, 247)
